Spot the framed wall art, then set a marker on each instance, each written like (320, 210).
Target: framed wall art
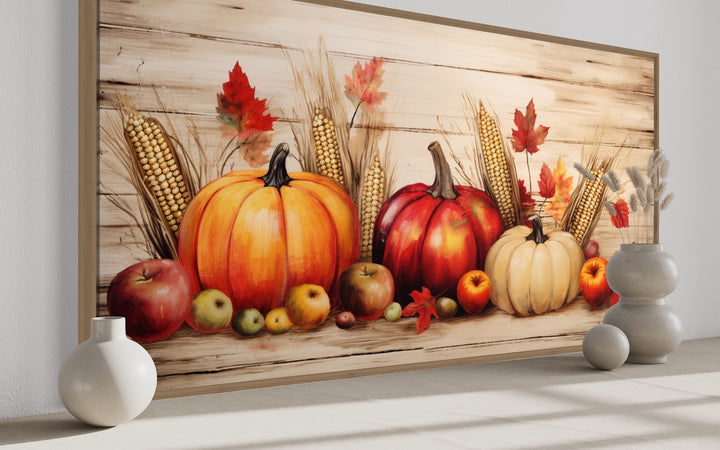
(268, 147)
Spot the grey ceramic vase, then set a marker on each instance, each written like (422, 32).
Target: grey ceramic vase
(643, 275)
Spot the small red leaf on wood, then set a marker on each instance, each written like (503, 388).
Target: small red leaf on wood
(424, 306)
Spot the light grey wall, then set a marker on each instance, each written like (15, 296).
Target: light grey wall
(38, 201)
(38, 172)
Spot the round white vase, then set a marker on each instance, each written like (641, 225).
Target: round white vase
(108, 379)
(643, 275)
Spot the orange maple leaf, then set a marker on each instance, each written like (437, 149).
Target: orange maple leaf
(559, 202)
(527, 137)
(362, 85)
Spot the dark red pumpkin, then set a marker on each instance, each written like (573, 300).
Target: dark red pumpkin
(431, 235)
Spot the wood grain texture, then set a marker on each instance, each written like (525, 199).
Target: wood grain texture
(169, 58)
(87, 167)
(189, 359)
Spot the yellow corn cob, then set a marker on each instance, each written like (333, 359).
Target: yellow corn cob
(584, 215)
(499, 180)
(327, 150)
(373, 189)
(158, 164)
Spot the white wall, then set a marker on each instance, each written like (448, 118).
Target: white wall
(38, 172)
(38, 201)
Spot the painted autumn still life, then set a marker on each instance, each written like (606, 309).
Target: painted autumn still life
(364, 191)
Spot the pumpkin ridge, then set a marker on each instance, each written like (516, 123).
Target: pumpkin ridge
(330, 217)
(233, 191)
(287, 252)
(322, 180)
(474, 201)
(378, 239)
(188, 256)
(289, 211)
(235, 290)
(444, 209)
(421, 238)
(395, 257)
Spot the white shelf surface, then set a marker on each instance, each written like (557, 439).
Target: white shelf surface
(553, 402)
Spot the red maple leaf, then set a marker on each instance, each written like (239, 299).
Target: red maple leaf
(527, 203)
(527, 137)
(546, 183)
(241, 113)
(424, 306)
(621, 219)
(362, 85)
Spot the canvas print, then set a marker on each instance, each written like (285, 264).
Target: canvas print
(293, 190)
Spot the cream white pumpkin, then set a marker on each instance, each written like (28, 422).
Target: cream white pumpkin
(533, 273)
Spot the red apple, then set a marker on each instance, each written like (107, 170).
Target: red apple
(154, 296)
(366, 289)
(592, 249)
(473, 291)
(345, 320)
(593, 284)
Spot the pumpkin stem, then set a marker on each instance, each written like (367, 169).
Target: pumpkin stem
(277, 175)
(537, 233)
(443, 185)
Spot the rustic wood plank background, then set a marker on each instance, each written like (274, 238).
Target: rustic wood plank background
(169, 58)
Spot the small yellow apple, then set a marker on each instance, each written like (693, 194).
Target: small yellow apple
(307, 305)
(211, 311)
(277, 321)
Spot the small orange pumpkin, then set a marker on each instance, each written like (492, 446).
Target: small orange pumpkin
(256, 235)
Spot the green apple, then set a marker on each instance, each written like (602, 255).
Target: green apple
(393, 311)
(211, 311)
(248, 322)
(446, 307)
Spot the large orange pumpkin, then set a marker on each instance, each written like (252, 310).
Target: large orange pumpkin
(255, 235)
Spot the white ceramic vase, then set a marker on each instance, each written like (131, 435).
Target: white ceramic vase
(643, 275)
(108, 379)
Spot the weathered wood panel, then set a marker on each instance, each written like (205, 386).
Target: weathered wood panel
(273, 23)
(169, 59)
(574, 108)
(371, 345)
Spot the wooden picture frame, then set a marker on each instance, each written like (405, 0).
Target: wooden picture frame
(169, 60)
